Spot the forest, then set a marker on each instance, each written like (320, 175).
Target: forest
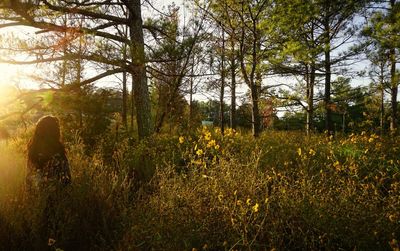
(200, 125)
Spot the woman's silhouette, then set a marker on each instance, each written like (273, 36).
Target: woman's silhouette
(47, 160)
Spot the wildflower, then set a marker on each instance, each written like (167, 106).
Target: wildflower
(370, 140)
(196, 162)
(248, 201)
(255, 208)
(51, 242)
(336, 163)
(394, 244)
(299, 151)
(311, 152)
(199, 152)
(216, 147)
(392, 218)
(211, 143)
(181, 139)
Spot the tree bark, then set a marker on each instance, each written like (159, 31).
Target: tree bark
(327, 65)
(222, 89)
(382, 97)
(124, 93)
(394, 90)
(233, 86)
(310, 98)
(138, 71)
(191, 95)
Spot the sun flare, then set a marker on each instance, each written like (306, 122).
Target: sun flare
(8, 74)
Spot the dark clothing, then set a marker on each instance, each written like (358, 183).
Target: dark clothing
(46, 182)
(48, 171)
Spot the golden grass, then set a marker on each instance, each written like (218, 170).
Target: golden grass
(284, 191)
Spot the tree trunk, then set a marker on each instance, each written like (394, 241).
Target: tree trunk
(138, 71)
(327, 96)
(255, 115)
(124, 101)
(78, 81)
(124, 93)
(343, 122)
(191, 95)
(382, 101)
(394, 90)
(222, 90)
(310, 98)
(233, 93)
(132, 105)
(250, 77)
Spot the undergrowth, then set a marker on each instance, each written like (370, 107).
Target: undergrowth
(208, 191)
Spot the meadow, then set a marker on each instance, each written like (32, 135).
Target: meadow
(207, 191)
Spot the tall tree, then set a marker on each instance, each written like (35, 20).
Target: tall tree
(102, 20)
(383, 30)
(298, 48)
(335, 18)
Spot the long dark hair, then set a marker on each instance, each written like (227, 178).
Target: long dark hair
(46, 141)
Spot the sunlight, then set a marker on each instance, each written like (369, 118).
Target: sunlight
(8, 74)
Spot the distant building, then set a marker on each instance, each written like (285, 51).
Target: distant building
(207, 123)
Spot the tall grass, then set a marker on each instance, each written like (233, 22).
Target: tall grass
(284, 191)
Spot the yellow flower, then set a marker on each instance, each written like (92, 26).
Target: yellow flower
(336, 163)
(207, 136)
(181, 139)
(211, 143)
(311, 152)
(230, 132)
(255, 208)
(370, 140)
(199, 152)
(248, 201)
(299, 151)
(216, 147)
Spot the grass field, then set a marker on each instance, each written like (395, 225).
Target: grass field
(283, 191)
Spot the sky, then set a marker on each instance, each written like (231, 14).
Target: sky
(15, 75)
(10, 74)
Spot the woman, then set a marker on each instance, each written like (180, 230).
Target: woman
(47, 160)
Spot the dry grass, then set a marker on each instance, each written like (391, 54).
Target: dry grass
(284, 191)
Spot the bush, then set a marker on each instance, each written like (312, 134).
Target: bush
(283, 191)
